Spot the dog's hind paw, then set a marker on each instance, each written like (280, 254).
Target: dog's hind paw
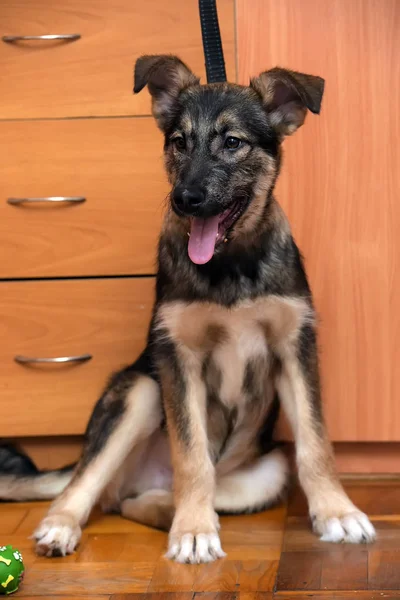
(353, 527)
(57, 535)
(200, 548)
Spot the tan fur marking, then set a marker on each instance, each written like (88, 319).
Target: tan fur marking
(154, 508)
(182, 77)
(228, 118)
(265, 86)
(283, 327)
(277, 217)
(249, 221)
(188, 323)
(186, 124)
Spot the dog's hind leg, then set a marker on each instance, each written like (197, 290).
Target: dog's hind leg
(128, 412)
(248, 489)
(154, 508)
(254, 487)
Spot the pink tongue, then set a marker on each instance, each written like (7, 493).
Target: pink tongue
(203, 235)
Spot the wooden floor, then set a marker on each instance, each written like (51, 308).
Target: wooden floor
(272, 555)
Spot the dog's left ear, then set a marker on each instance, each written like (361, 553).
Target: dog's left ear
(166, 76)
(287, 95)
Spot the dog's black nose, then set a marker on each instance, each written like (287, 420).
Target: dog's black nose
(188, 200)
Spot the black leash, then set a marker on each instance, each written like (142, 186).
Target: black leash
(213, 52)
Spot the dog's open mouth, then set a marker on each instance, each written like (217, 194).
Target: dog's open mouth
(205, 234)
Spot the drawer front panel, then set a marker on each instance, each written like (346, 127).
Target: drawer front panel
(92, 76)
(106, 318)
(115, 164)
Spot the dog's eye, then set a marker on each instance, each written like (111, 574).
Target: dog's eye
(179, 143)
(232, 143)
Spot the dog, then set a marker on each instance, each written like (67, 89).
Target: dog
(186, 432)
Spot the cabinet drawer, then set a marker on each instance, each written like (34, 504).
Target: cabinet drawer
(93, 75)
(107, 318)
(116, 164)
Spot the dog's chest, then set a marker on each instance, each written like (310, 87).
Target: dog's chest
(231, 346)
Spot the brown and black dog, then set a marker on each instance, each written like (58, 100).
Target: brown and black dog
(232, 336)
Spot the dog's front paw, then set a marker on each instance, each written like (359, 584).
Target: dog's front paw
(195, 548)
(57, 535)
(353, 527)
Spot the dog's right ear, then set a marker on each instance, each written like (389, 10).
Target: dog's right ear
(166, 76)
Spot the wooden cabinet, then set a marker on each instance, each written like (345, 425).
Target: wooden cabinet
(93, 76)
(340, 187)
(72, 275)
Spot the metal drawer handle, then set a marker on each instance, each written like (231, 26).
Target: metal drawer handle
(72, 199)
(60, 36)
(26, 360)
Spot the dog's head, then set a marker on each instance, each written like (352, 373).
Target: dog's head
(222, 144)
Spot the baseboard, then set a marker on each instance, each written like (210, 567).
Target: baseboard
(366, 458)
(52, 452)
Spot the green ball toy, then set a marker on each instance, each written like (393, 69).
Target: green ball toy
(11, 569)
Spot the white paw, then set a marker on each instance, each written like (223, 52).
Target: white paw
(57, 535)
(354, 528)
(200, 548)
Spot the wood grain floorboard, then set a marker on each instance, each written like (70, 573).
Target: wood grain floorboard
(102, 597)
(125, 547)
(172, 577)
(156, 596)
(339, 595)
(73, 578)
(219, 576)
(384, 570)
(11, 517)
(215, 596)
(300, 571)
(345, 570)
(255, 596)
(195, 596)
(271, 556)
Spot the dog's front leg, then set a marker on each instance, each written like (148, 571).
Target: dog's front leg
(194, 533)
(333, 514)
(127, 413)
